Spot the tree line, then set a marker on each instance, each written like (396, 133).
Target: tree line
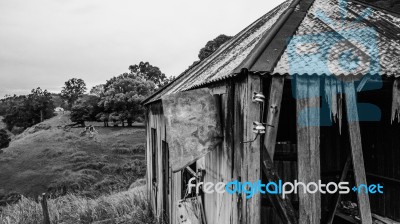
(117, 100)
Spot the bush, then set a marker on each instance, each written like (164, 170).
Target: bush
(80, 114)
(123, 148)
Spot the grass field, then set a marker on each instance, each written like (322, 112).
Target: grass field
(128, 206)
(49, 158)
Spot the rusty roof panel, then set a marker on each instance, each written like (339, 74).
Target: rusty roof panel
(335, 38)
(346, 39)
(221, 64)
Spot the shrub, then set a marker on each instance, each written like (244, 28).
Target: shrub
(123, 148)
(4, 139)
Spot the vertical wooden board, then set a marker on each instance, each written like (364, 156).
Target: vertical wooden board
(314, 96)
(160, 188)
(246, 155)
(308, 140)
(175, 194)
(225, 161)
(148, 155)
(218, 165)
(211, 200)
(251, 157)
(356, 151)
(150, 160)
(238, 151)
(272, 111)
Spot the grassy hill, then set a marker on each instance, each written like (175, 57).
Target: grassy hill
(50, 158)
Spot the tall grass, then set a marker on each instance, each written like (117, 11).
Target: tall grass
(124, 207)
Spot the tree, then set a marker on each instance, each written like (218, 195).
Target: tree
(97, 90)
(123, 96)
(213, 45)
(72, 90)
(27, 110)
(4, 139)
(149, 73)
(41, 103)
(80, 113)
(104, 117)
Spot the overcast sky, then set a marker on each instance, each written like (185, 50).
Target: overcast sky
(46, 42)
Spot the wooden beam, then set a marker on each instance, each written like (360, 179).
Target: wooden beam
(356, 151)
(282, 206)
(336, 202)
(308, 144)
(46, 216)
(272, 111)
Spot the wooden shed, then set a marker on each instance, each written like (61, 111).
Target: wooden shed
(307, 92)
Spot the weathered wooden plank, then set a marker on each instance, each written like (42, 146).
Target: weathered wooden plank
(176, 195)
(396, 100)
(218, 165)
(238, 151)
(46, 216)
(282, 206)
(356, 151)
(251, 161)
(336, 201)
(156, 136)
(272, 111)
(308, 143)
(247, 162)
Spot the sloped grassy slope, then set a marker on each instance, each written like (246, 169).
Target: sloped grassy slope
(49, 158)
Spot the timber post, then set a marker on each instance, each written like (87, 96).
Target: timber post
(356, 151)
(308, 145)
(46, 217)
(272, 111)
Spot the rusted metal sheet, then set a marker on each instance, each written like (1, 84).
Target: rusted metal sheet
(221, 64)
(373, 39)
(193, 126)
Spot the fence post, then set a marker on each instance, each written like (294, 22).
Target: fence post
(46, 217)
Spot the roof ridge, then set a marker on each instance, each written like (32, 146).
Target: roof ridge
(268, 38)
(179, 80)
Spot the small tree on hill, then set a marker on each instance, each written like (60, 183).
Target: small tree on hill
(41, 103)
(123, 96)
(80, 114)
(73, 89)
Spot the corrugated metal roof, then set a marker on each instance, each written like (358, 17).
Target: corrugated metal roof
(335, 37)
(343, 39)
(221, 64)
